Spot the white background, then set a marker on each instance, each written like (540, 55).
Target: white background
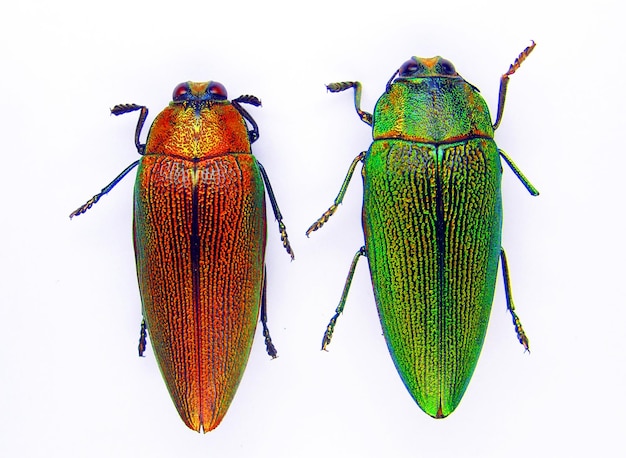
(70, 381)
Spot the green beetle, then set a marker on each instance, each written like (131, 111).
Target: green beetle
(432, 220)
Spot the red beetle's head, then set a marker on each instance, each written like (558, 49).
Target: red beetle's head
(199, 92)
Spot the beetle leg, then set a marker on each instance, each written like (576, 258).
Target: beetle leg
(504, 81)
(338, 87)
(531, 189)
(118, 110)
(253, 135)
(277, 214)
(127, 108)
(269, 346)
(87, 205)
(249, 99)
(142, 337)
(344, 187)
(388, 87)
(342, 302)
(521, 335)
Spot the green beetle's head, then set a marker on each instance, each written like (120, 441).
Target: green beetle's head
(194, 93)
(421, 67)
(425, 67)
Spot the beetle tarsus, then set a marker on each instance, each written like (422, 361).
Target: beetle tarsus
(322, 219)
(521, 335)
(338, 87)
(285, 239)
(269, 346)
(83, 208)
(521, 58)
(249, 99)
(125, 108)
(328, 335)
(142, 338)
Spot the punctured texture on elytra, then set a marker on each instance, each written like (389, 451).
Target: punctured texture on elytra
(199, 226)
(432, 223)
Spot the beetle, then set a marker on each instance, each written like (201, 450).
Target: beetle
(432, 223)
(199, 231)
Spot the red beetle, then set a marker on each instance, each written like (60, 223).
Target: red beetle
(199, 229)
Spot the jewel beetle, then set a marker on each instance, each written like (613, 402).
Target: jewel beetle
(432, 222)
(199, 230)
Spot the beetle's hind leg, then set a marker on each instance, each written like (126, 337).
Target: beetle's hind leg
(143, 334)
(521, 335)
(91, 202)
(328, 335)
(269, 346)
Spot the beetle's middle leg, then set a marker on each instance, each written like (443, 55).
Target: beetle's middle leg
(91, 202)
(342, 302)
(527, 184)
(277, 214)
(342, 192)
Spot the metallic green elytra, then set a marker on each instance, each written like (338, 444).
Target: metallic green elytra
(432, 220)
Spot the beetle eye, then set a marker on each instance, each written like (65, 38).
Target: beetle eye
(446, 67)
(409, 68)
(180, 92)
(217, 90)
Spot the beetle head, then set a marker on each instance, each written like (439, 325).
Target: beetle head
(194, 93)
(420, 67)
(425, 67)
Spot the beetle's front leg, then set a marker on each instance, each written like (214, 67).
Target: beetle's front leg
(338, 87)
(504, 82)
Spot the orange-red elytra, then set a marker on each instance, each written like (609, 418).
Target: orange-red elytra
(199, 230)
